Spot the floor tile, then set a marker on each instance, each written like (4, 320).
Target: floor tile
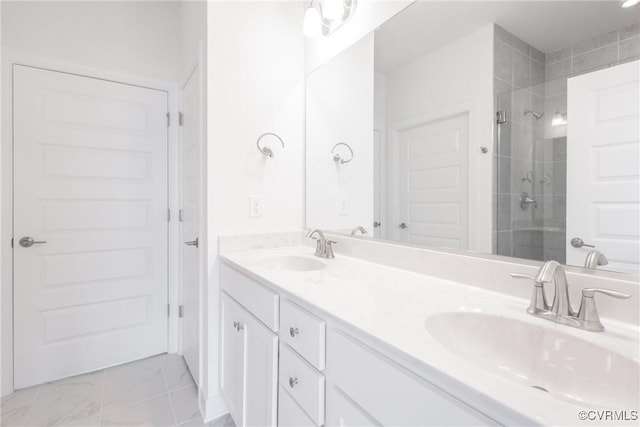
(185, 404)
(14, 408)
(64, 409)
(223, 421)
(177, 376)
(78, 384)
(120, 391)
(151, 412)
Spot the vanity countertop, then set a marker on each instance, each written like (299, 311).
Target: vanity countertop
(392, 306)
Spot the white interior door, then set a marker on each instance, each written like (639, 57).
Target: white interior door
(603, 166)
(90, 180)
(190, 191)
(434, 184)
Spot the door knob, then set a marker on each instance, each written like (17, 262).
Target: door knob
(192, 243)
(403, 226)
(577, 242)
(27, 242)
(376, 224)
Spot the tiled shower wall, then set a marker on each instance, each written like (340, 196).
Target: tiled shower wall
(538, 150)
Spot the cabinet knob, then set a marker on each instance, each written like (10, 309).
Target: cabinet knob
(292, 382)
(238, 326)
(293, 331)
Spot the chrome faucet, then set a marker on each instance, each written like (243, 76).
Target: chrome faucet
(560, 310)
(595, 259)
(324, 248)
(359, 228)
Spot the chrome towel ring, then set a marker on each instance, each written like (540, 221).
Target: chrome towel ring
(266, 150)
(337, 157)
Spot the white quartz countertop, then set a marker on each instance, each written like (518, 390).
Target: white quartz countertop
(392, 306)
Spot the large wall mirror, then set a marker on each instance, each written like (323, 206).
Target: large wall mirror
(508, 128)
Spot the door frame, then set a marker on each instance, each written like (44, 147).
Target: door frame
(479, 220)
(15, 57)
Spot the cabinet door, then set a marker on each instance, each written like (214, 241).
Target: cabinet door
(342, 412)
(234, 361)
(261, 373)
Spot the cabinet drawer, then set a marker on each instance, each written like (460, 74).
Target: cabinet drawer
(289, 413)
(389, 393)
(304, 332)
(303, 383)
(256, 298)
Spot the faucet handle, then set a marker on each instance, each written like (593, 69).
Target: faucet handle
(589, 292)
(538, 302)
(329, 249)
(588, 312)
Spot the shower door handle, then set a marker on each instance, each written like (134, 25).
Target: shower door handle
(403, 226)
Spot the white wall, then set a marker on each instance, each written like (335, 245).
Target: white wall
(129, 37)
(340, 109)
(369, 15)
(255, 85)
(453, 79)
(126, 41)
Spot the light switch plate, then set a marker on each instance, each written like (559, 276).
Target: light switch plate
(255, 206)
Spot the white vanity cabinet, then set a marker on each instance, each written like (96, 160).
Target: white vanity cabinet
(314, 373)
(249, 353)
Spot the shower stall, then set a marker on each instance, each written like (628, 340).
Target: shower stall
(532, 172)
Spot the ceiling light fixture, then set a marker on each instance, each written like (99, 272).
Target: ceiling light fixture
(628, 3)
(312, 24)
(323, 17)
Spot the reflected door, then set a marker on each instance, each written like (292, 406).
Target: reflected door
(90, 184)
(603, 166)
(190, 221)
(434, 187)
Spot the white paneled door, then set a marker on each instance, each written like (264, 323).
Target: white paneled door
(190, 220)
(434, 183)
(90, 190)
(603, 164)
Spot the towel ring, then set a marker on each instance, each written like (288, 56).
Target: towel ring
(337, 157)
(266, 150)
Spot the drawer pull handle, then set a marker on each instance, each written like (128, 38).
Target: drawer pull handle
(238, 326)
(293, 331)
(292, 382)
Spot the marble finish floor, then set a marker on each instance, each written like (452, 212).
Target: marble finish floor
(157, 391)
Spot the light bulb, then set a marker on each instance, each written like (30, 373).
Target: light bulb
(558, 119)
(334, 9)
(628, 3)
(312, 24)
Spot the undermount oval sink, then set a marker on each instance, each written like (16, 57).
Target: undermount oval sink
(292, 263)
(562, 365)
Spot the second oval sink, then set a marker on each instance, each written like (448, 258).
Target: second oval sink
(560, 364)
(292, 263)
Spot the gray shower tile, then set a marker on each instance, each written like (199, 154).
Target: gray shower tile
(501, 86)
(595, 43)
(595, 59)
(537, 55)
(503, 58)
(537, 73)
(521, 70)
(629, 49)
(521, 46)
(630, 31)
(558, 69)
(558, 55)
(503, 35)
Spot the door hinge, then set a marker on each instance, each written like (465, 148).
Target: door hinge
(181, 311)
(12, 242)
(168, 119)
(180, 118)
(501, 117)
(181, 215)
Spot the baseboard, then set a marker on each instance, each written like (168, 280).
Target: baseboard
(213, 408)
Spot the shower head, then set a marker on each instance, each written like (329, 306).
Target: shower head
(534, 114)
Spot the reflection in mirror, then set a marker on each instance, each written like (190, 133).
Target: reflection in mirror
(513, 130)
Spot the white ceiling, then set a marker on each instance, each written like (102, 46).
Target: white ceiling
(550, 25)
